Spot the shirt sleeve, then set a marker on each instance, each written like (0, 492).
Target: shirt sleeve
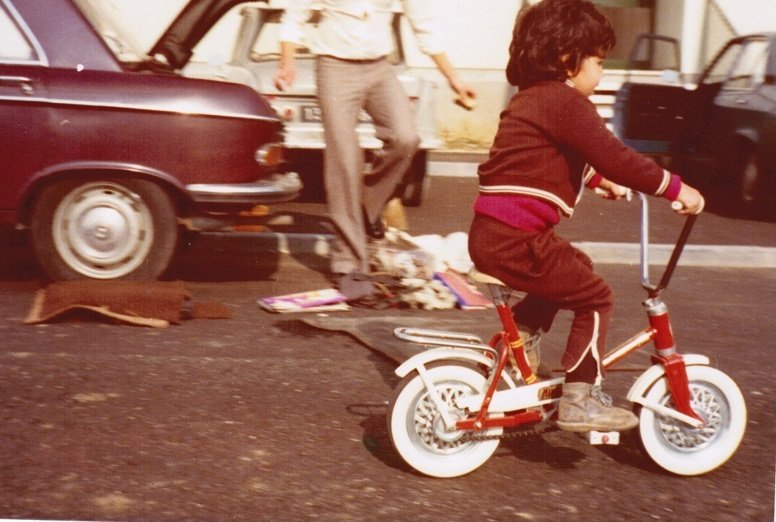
(582, 129)
(426, 24)
(292, 21)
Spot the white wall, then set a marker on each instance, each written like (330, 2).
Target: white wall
(478, 34)
(750, 16)
(477, 38)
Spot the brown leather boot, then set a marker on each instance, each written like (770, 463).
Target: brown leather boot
(584, 407)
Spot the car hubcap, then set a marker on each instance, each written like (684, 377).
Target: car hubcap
(103, 230)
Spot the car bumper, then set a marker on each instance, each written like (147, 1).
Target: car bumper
(311, 138)
(278, 188)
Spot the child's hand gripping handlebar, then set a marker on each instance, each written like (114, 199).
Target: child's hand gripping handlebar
(688, 201)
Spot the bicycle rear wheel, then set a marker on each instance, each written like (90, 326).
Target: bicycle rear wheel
(418, 432)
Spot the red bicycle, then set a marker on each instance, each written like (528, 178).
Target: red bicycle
(456, 398)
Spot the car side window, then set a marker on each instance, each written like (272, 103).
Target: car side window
(14, 46)
(748, 71)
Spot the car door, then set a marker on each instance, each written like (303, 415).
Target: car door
(22, 107)
(738, 106)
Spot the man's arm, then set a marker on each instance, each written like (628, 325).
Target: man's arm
(285, 75)
(465, 94)
(290, 34)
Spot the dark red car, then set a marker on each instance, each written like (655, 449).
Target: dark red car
(106, 151)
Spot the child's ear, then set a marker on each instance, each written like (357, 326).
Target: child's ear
(571, 71)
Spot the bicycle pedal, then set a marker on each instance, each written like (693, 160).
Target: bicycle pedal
(603, 438)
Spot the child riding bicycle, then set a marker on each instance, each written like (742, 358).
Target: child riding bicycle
(550, 144)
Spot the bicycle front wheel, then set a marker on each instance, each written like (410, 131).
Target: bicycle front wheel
(685, 450)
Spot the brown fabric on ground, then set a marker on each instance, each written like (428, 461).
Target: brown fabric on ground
(146, 303)
(210, 310)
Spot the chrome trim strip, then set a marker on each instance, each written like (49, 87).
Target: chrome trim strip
(279, 187)
(133, 107)
(15, 79)
(42, 58)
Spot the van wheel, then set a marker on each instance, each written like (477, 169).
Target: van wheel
(122, 228)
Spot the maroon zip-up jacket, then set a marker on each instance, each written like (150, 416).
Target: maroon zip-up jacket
(547, 135)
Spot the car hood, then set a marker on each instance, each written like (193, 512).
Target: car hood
(177, 43)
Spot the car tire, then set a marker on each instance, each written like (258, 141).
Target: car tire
(416, 182)
(753, 189)
(119, 228)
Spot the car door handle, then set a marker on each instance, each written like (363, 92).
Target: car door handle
(24, 83)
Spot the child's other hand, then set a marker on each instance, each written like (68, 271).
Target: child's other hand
(610, 190)
(689, 201)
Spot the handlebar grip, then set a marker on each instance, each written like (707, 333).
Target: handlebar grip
(676, 205)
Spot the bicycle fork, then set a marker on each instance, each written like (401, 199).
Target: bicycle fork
(674, 364)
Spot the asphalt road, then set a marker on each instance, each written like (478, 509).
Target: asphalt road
(262, 417)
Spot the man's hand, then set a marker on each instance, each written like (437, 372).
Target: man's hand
(285, 75)
(465, 95)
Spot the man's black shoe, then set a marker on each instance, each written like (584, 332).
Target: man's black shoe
(375, 230)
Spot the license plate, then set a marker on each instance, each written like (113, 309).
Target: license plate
(312, 114)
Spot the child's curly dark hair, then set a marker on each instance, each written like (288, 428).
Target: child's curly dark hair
(551, 38)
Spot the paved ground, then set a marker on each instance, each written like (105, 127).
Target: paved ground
(261, 417)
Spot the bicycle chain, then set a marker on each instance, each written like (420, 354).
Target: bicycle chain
(512, 434)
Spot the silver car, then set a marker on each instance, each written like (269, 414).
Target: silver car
(254, 62)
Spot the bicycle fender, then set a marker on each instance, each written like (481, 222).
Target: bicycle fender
(639, 389)
(440, 354)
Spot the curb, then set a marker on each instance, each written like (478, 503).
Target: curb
(604, 253)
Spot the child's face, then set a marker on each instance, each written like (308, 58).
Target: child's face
(591, 70)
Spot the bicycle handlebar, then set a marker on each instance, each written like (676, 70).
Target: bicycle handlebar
(655, 290)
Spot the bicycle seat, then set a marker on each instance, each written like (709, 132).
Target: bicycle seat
(482, 277)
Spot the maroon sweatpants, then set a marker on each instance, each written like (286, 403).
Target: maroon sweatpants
(555, 276)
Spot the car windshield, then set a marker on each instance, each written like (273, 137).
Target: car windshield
(105, 18)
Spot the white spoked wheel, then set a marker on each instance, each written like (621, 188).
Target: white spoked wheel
(417, 429)
(685, 450)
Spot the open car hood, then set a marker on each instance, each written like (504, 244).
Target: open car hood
(177, 43)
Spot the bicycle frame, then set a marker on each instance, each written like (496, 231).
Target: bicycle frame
(542, 394)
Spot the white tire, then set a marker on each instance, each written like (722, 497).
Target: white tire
(684, 450)
(417, 430)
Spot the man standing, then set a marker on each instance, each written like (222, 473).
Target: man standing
(353, 40)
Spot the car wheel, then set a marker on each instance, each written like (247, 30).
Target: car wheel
(748, 178)
(754, 190)
(122, 228)
(416, 182)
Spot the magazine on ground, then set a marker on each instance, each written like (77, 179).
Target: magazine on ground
(467, 295)
(325, 300)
